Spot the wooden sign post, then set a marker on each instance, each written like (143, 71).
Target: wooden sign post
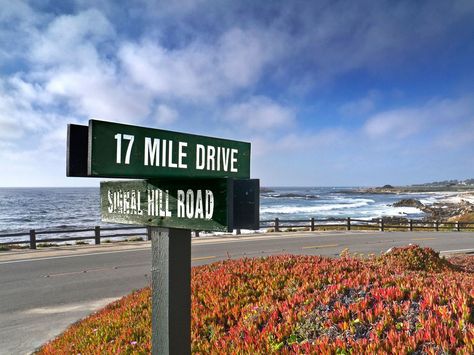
(171, 290)
(192, 182)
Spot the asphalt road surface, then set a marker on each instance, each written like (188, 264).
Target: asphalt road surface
(44, 291)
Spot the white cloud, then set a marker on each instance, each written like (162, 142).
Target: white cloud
(398, 123)
(72, 39)
(18, 23)
(200, 71)
(260, 113)
(319, 140)
(165, 115)
(17, 112)
(97, 91)
(404, 122)
(71, 64)
(458, 136)
(307, 143)
(361, 106)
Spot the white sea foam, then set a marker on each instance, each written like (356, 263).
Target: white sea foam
(447, 197)
(359, 208)
(286, 209)
(458, 197)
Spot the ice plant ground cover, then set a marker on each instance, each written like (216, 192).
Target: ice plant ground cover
(407, 301)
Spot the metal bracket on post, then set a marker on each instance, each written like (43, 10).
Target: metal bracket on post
(171, 291)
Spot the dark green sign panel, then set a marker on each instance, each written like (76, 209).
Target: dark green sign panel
(201, 204)
(118, 150)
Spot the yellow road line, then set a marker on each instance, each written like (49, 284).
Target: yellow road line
(320, 246)
(203, 258)
(423, 238)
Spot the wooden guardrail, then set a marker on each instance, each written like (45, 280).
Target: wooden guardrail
(97, 235)
(33, 237)
(313, 224)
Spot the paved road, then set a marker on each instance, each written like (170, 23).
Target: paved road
(42, 292)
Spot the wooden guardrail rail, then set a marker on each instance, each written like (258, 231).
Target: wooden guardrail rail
(312, 224)
(34, 237)
(68, 235)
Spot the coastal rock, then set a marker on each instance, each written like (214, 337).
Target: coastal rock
(449, 211)
(409, 202)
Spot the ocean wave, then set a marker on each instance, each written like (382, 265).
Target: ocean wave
(292, 196)
(312, 209)
(351, 199)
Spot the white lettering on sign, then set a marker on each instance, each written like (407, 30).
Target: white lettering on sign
(118, 154)
(158, 203)
(180, 203)
(124, 202)
(234, 153)
(209, 204)
(170, 156)
(190, 204)
(152, 153)
(200, 157)
(211, 161)
(159, 152)
(182, 155)
(216, 158)
(199, 212)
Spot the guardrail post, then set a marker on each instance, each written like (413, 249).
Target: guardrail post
(410, 225)
(458, 226)
(381, 226)
(196, 234)
(277, 225)
(348, 223)
(238, 231)
(148, 233)
(312, 224)
(97, 234)
(32, 239)
(437, 226)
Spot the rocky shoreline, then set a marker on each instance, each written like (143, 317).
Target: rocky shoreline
(396, 190)
(442, 211)
(458, 207)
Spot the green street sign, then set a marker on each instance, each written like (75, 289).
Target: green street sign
(200, 204)
(124, 151)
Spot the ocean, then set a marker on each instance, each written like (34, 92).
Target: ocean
(22, 209)
(336, 202)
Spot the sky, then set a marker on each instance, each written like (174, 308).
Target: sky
(329, 93)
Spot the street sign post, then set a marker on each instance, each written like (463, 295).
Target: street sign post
(192, 182)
